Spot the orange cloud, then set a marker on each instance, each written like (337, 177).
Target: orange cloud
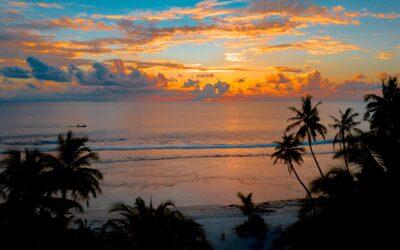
(76, 24)
(235, 57)
(385, 55)
(49, 5)
(316, 46)
(354, 14)
(289, 69)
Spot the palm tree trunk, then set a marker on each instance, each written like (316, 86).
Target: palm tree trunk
(345, 157)
(304, 186)
(313, 155)
(301, 182)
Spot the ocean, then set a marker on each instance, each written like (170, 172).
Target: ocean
(193, 153)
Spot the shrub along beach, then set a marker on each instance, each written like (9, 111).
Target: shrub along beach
(353, 206)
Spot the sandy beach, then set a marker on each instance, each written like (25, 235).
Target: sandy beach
(222, 219)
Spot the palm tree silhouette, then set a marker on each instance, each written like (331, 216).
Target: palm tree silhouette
(344, 125)
(289, 151)
(383, 111)
(337, 184)
(307, 121)
(254, 225)
(25, 184)
(70, 168)
(20, 180)
(147, 227)
(248, 207)
(28, 214)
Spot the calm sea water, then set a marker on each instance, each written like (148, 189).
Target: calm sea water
(191, 152)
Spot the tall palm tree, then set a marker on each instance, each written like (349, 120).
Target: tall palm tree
(289, 151)
(383, 111)
(307, 121)
(71, 170)
(344, 125)
(146, 227)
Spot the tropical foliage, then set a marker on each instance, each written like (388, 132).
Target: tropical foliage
(357, 209)
(307, 122)
(41, 191)
(147, 227)
(254, 225)
(289, 151)
(345, 126)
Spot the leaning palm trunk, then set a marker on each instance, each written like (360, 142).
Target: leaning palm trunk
(313, 155)
(300, 181)
(345, 156)
(304, 186)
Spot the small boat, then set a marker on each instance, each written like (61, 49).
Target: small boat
(81, 125)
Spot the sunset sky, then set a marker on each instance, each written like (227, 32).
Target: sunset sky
(196, 50)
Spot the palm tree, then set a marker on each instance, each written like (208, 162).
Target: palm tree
(289, 151)
(254, 225)
(344, 125)
(307, 121)
(70, 168)
(21, 180)
(147, 227)
(337, 184)
(383, 111)
(248, 207)
(27, 211)
(24, 183)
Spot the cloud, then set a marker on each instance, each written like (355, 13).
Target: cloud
(102, 82)
(325, 45)
(357, 86)
(84, 24)
(117, 76)
(215, 20)
(24, 5)
(277, 78)
(18, 4)
(377, 15)
(314, 82)
(191, 67)
(281, 84)
(235, 57)
(16, 42)
(15, 72)
(148, 31)
(359, 77)
(211, 91)
(49, 5)
(44, 71)
(288, 69)
(205, 75)
(240, 80)
(208, 91)
(190, 83)
(385, 55)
